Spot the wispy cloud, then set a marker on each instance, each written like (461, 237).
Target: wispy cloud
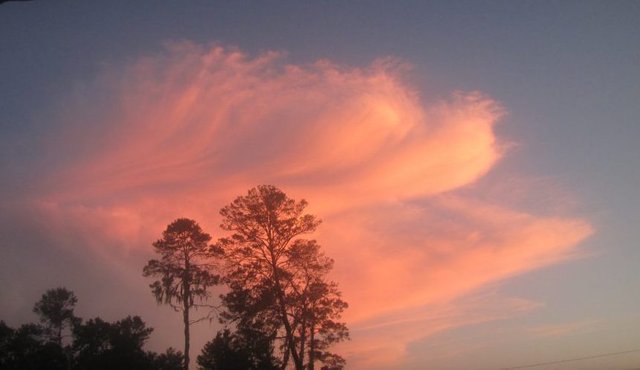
(383, 342)
(563, 329)
(183, 132)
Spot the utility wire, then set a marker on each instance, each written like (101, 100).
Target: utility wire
(573, 359)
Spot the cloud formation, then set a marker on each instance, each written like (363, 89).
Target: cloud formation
(563, 329)
(184, 132)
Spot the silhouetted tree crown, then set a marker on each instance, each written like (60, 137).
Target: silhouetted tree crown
(55, 311)
(102, 345)
(169, 360)
(184, 271)
(28, 348)
(246, 349)
(278, 280)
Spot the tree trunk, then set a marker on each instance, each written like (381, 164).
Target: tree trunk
(283, 310)
(285, 355)
(186, 337)
(303, 338)
(312, 346)
(297, 361)
(290, 337)
(186, 285)
(186, 300)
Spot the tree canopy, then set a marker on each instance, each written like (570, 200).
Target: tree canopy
(245, 349)
(55, 311)
(96, 344)
(28, 348)
(277, 279)
(103, 345)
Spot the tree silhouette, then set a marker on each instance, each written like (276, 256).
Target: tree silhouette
(28, 348)
(100, 345)
(247, 349)
(277, 280)
(55, 310)
(223, 353)
(183, 270)
(169, 360)
(318, 303)
(97, 345)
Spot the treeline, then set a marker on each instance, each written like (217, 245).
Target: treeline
(279, 309)
(63, 341)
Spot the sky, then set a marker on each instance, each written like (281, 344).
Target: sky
(474, 163)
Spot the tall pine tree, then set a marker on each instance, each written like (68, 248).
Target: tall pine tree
(184, 271)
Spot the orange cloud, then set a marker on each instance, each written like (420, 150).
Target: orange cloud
(186, 131)
(410, 255)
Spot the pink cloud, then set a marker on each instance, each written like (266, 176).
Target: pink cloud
(186, 131)
(410, 255)
(383, 343)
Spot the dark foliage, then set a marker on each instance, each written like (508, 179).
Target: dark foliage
(170, 360)
(101, 345)
(277, 280)
(55, 310)
(97, 344)
(27, 349)
(247, 349)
